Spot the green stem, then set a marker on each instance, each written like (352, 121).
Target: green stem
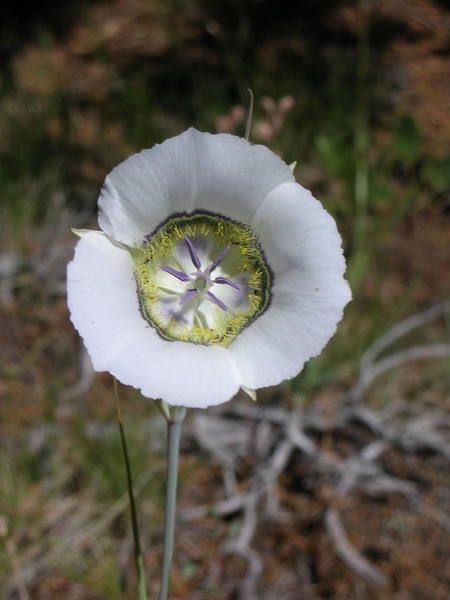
(249, 115)
(173, 450)
(139, 561)
(361, 146)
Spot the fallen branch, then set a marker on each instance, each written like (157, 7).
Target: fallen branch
(352, 558)
(401, 329)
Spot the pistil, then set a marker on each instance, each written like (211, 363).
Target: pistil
(201, 279)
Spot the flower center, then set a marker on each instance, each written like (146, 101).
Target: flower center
(202, 278)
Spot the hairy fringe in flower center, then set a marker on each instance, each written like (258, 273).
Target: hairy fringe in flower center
(202, 278)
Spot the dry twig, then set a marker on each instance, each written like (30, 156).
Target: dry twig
(359, 473)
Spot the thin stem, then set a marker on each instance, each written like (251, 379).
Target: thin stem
(249, 115)
(139, 561)
(11, 549)
(361, 145)
(173, 450)
(362, 120)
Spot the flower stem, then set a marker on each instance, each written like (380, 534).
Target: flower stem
(139, 561)
(174, 424)
(361, 146)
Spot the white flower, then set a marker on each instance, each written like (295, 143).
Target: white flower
(213, 270)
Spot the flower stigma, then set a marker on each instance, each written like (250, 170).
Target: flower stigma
(202, 278)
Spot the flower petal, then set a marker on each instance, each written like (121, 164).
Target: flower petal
(303, 249)
(221, 173)
(104, 309)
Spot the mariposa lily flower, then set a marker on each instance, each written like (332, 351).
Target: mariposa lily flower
(214, 270)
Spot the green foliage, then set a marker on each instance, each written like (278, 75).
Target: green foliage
(407, 141)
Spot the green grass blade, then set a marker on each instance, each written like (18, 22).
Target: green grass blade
(139, 561)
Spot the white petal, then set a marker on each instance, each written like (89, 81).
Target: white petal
(303, 249)
(235, 176)
(104, 308)
(221, 173)
(296, 232)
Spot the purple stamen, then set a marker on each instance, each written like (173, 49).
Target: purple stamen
(218, 258)
(188, 295)
(215, 299)
(178, 274)
(193, 252)
(227, 281)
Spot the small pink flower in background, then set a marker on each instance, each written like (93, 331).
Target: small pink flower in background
(229, 122)
(266, 128)
(285, 104)
(269, 127)
(238, 114)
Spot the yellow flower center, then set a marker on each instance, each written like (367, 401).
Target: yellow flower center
(202, 278)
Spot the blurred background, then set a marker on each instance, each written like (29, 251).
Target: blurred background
(333, 486)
